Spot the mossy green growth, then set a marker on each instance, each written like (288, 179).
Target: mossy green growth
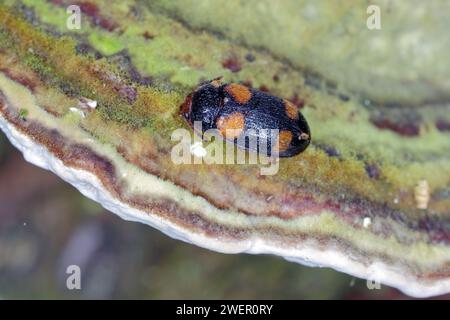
(105, 43)
(50, 14)
(23, 113)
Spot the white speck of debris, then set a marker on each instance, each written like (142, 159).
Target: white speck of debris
(85, 103)
(92, 104)
(396, 200)
(76, 110)
(24, 224)
(198, 150)
(367, 222)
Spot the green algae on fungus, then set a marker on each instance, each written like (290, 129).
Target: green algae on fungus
(106, 45)
(23, 113)
(347, 202)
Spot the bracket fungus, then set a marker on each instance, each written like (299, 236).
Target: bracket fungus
(97, 107)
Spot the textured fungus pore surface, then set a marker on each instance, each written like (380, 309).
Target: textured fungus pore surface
(369, 197)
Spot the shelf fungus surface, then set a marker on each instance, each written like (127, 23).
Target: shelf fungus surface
(370, 196)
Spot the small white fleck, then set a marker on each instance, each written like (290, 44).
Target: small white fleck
(92, 104)
(396, 200)
(76, 110)
(85, 103)
(367, 222)
(198, 150)
(24, 224)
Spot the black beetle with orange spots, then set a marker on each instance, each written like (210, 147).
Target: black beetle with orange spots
(235, 110)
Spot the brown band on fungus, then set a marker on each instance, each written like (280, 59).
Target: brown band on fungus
(23, 79)
(402, 127)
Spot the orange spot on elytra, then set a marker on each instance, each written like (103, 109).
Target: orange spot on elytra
(231, 126)
(240, 93)
(291, 109)
(216, 82)
(284, 140)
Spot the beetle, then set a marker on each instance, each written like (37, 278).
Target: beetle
(236, 110)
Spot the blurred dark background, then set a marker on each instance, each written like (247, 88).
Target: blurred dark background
(47, 225)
